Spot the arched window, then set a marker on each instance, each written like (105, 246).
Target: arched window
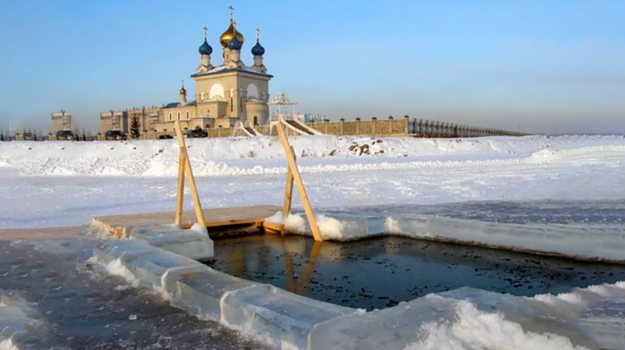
(231, 104)
(178, 116)
(187, 114)
(171, 117)
(255, 120)
(216, 92)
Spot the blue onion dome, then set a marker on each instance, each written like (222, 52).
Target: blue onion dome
(235, 43)
(258, 49)
(205, 49)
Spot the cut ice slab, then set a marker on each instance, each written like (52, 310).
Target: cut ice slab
(592, 242)
(142, 264)
(193, 243)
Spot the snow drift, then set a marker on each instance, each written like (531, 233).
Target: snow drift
(237, 155)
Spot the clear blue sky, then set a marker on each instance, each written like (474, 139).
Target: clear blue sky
(548, 66)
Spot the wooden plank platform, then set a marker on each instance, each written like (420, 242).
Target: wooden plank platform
(38, 233)
(215, 218)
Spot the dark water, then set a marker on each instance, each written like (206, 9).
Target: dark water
(84, 308)
(381, 272)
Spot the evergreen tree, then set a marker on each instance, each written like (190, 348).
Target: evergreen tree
(134, 128)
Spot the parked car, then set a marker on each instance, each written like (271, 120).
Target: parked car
(115, 135)
(195, 133)
(29, 136)
(65, 135)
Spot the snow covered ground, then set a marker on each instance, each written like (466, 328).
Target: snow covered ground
(45, 184)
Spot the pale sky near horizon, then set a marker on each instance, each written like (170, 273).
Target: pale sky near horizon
(544, 66)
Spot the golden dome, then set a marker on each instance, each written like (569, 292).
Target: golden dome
(183, 91)
(228, 34)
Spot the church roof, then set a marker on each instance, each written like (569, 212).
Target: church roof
(178, 104)
(224, 69)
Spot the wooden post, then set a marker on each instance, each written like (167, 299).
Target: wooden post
(184, 167)
(288, 194)
(299, 183)
(180, 191)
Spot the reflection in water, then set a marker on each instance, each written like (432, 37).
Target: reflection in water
(381, 272)
(301, 285)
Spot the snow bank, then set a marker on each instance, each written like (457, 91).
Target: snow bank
(222, 156)
(474, 329)
(332, 228)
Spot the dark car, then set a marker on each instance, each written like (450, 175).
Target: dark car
(195, 133)
(29, 136)
(115, 135)
(65, 135)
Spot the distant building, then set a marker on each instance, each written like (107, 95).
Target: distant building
(225, 93)
(113, 120)
(147, 117)
(61, 121)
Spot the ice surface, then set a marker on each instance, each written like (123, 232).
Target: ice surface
(18, 320)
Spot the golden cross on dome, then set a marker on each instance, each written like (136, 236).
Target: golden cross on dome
(257, 34)
(231, 9)
(205, 29)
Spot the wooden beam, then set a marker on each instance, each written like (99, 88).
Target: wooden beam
(271, 228)
(186, 169)
(197, 205)
(180, 190)
(288, 194)
(299, 183)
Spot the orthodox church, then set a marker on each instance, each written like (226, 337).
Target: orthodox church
(225, 93)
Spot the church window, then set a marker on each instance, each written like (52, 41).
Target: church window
(178, 116)
(171, 117)
(187, 114)
(231, 104)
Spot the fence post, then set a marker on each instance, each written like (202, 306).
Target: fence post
(406, 126)
(341, 126)
(373, 125)
(357, 126)
(327, 123)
